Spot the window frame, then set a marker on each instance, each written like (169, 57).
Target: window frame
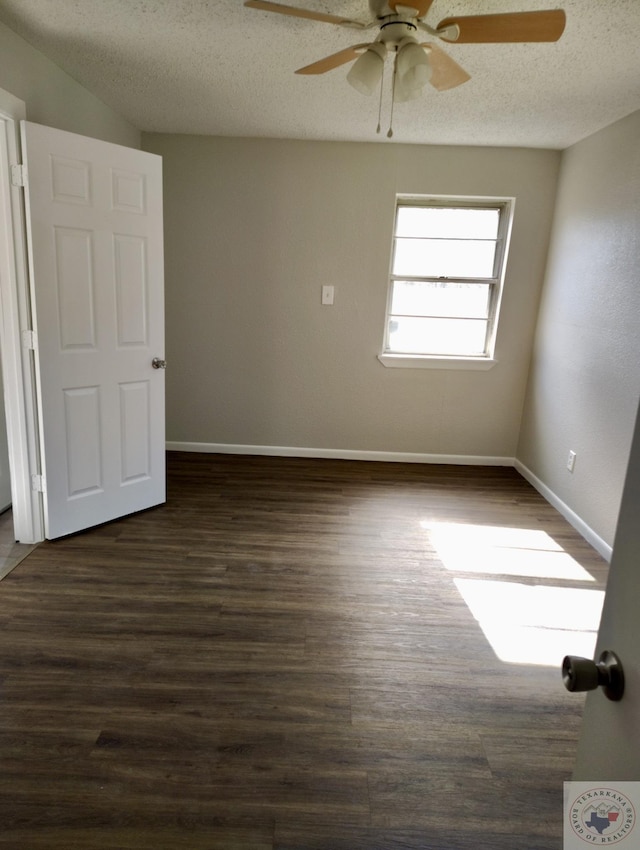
(505, 206)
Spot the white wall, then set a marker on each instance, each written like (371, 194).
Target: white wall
(585, 377)
(254, 228)
(52, 97)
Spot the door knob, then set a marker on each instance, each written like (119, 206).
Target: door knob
(582, 674)
(157, 363)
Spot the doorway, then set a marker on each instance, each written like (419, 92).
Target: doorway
(86, 443)
(15, 337)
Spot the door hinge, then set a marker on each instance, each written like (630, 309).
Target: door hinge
(19, 175)
(37, 483)
(29, 340)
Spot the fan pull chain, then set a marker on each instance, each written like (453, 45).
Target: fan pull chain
(380, 102)
(393, 100)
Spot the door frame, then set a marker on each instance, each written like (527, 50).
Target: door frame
(15, 327)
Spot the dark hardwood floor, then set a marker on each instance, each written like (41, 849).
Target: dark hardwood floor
(280, 657)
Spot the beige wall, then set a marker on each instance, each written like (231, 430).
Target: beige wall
(53, 98)
(254, 228)
(585, 376)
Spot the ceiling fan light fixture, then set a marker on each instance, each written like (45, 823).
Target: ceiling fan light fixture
(402, 94)
(413, 70)
(366, 71)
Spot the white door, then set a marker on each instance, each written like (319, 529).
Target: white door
(609, 748)
(94, 221)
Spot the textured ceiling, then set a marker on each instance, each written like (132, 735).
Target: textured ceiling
(215, 67)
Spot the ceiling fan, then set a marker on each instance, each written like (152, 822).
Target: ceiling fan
(419, 62)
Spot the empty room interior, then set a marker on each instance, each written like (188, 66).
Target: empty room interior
(393, 483)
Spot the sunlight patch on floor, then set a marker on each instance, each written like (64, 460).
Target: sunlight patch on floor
(534, 624)
(536, 621)
(503, 551)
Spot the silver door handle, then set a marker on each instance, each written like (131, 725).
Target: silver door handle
(158, 363)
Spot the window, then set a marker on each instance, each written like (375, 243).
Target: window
(447, 269)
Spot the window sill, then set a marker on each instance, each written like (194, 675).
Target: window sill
(423, 361)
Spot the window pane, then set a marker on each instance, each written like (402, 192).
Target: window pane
(464, 337)
(443, 258)
(432, 298)
(448, 223)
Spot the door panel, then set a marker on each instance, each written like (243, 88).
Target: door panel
(135, 430)
(94, 213)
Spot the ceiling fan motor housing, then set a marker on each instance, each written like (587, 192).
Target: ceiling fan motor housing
(393, 32)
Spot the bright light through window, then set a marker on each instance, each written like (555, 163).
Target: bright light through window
(446, 277)
(546, 615)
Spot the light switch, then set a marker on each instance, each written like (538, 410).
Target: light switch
(327, 295)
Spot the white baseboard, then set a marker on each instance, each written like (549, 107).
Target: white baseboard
(338, 454)
(600, 545)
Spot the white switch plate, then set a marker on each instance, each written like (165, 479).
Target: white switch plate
(571, 461)
(327, 295)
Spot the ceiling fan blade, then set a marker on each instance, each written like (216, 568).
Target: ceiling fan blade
(445, 73)
(266, 6)
(508, 27)
(333, 61)
(421, 6)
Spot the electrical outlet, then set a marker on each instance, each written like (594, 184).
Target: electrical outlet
(571, 461)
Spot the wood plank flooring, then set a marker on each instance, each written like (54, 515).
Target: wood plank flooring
(279, 659)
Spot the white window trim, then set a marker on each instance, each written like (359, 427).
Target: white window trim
(447, 361)
(436, 361)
